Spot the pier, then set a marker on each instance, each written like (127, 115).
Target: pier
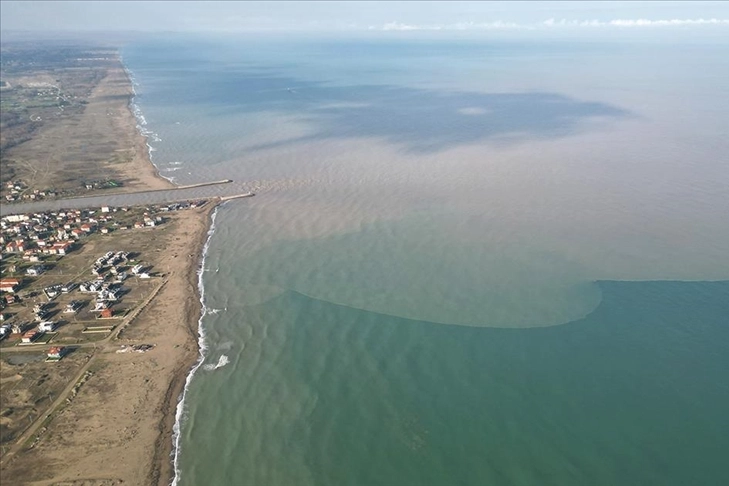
(237, 196)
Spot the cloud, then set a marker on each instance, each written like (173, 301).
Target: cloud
(496, 25)
(633, 23)
(674, 22)
(549, 23)
(397, 26)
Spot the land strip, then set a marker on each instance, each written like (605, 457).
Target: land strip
(104, 413)
(131, 394)
(67, 125)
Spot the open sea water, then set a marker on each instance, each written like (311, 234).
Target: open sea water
(468, 262)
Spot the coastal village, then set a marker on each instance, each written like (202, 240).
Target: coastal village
(97, 316)
(70, 280)
(18, 190)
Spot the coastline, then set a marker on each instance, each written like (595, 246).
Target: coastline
(120, 427)
(141, 165)
(182, 382)
(165, 468)
(164, 465)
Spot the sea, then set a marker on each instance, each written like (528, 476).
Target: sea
(470, 260)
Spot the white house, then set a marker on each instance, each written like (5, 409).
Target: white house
(35, 270)
(47, 326)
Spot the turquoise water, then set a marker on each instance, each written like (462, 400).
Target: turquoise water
(468, 261)
(636, 393)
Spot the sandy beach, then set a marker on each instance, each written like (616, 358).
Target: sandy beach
(117, 429)
(139, 169)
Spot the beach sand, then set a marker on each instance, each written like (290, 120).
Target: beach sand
(140, 171)
(118, 428)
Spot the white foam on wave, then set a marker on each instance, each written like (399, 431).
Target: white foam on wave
(222, 361)
(202, 346)
(149, 135)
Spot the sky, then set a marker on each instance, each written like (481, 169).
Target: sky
(283, 16)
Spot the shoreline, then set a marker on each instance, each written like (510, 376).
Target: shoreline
(165, 470)
(142, 148)
(165, 466)
(173, 476)
(130, 436)
(119, 427)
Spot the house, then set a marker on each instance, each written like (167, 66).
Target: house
(35, 270)
(47, 326)
(72, 307)
(15, 247)
(100, 305)
(107, 313)
(62, 247)
(56, 352)
(30, 336)
(66, 288)
(105, 209)
(52, 291)
(89, 287)
(9, 284)
(109, 294)
(19, 327)
(17, 218)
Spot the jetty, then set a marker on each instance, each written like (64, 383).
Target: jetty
(237, 196)
(200, 184)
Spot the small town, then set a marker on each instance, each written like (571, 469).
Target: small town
(39, 283)
(71, 281)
